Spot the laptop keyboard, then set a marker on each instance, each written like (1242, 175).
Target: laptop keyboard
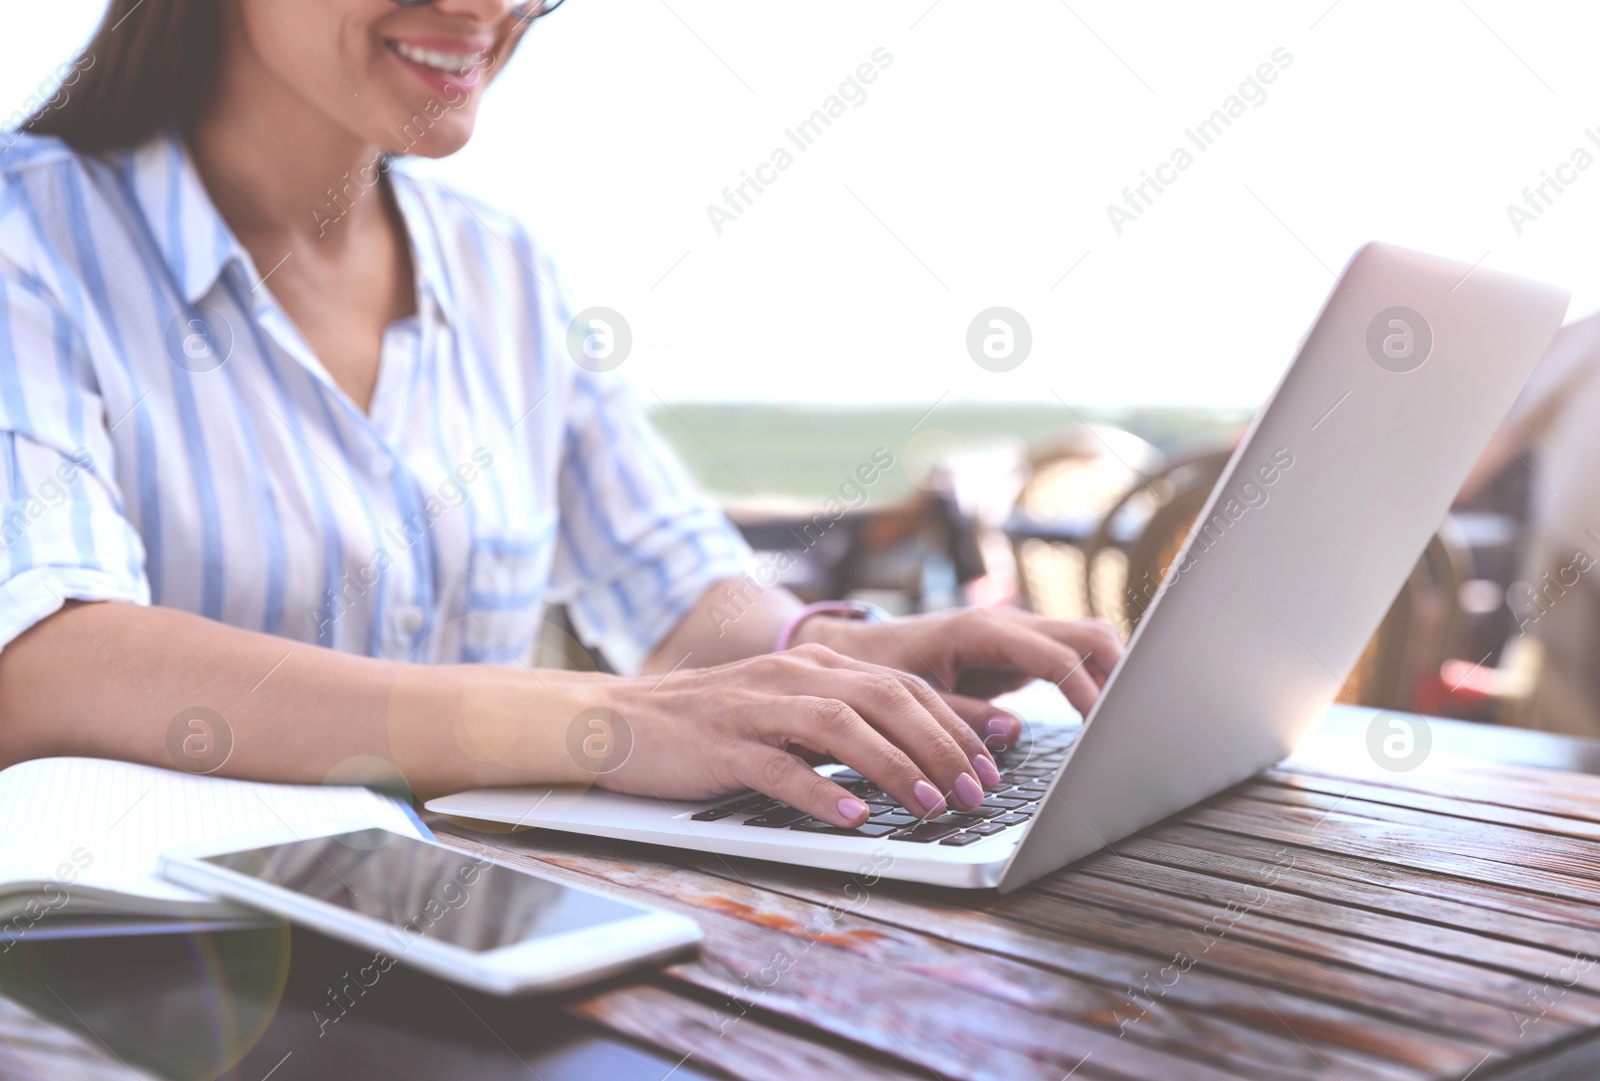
(1025, 775)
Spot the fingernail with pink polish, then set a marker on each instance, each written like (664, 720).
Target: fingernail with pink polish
(967, 791)
(851, 809)
(928, 796)
(987, 771)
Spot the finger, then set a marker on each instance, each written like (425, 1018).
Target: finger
(987, 681)
(834, 726)
(906, 723)
(1081, 688)
(970, 739)
(1007, 641)
(998, 728)
(885, 700)
(1096, 640)
(785, 777)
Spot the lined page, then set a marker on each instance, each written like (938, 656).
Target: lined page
(110, 821)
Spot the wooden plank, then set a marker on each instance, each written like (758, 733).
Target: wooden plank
(1026, 986)
(1430, 916)
(1495, 897)
(1405, 846)
(888, 1008)
(743, 1047)
(1441, 797)
(1325, 1026)
(1504, 990)
(1573, 795)
(1494, 840)
(1571, 1060)
(1333, 1041)
(1262, 965)
(1531, 967)
(1231, 857)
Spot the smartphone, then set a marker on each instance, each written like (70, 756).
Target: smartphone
(459, 916)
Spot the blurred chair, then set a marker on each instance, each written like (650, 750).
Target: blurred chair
(913, 556)
(1409, 664)
(1543, 458)
(1404, 664)
(1072, 483)
(1140, 535)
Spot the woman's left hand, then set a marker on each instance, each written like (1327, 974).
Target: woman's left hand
(974, 654)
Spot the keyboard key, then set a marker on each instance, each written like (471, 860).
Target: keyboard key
(926, 832)
(871, 829)
(1003, 804)
(961, 839)
(893, 818)
(744, 803)
(1012, 819)
(845, 776)
(984, 829)
(714, 814)
(984, 811)
(788, 816)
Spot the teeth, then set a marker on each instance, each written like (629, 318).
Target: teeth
(455, 63)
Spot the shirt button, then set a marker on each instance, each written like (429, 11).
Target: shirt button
(411, 620)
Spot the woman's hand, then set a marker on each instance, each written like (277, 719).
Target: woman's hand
(700, 733)
(973, 654)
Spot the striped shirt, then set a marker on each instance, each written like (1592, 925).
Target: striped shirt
(167, 436)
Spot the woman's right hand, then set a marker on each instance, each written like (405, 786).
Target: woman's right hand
(703, 733)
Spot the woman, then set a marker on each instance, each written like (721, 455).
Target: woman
(291, 439)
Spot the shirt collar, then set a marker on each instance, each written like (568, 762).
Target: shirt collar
(189, 232)
(415, 201)
(195, 242)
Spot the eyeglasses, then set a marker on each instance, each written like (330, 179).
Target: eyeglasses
(527, 11)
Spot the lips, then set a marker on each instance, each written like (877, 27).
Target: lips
(450, 65)
(453, 60)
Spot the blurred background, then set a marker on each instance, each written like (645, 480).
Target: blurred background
(787, 332)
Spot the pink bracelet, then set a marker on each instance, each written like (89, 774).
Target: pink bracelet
(849, 609)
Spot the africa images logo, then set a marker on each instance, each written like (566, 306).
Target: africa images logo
(1399, 339)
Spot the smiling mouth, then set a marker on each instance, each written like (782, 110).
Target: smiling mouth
(449, 63)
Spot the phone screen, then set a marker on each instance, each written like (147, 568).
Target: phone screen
(427, 889)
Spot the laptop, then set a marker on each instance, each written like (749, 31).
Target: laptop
(1323, 510)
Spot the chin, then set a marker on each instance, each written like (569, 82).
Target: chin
(424, 137)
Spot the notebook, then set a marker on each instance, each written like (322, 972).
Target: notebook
(82, 835)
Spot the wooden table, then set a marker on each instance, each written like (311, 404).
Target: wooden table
(1310, 923)
(1324, 920)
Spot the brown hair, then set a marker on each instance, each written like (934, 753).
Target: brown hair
(151, 63)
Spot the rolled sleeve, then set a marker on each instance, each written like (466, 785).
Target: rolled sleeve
(63, 535)
(639, 543)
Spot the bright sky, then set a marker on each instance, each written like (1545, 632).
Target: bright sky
(978, 169)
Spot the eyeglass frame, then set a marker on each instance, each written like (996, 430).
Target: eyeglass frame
(541, 8)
